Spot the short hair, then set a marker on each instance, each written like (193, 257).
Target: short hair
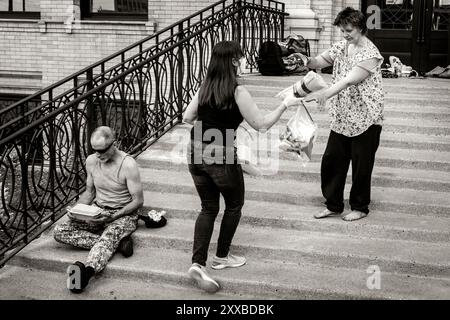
(106, 132)
(351, 16)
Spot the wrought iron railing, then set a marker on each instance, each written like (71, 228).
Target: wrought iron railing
(140, 91)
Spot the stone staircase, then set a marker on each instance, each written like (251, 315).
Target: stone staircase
(290, 254)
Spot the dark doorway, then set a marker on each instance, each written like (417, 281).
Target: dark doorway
(416, 31)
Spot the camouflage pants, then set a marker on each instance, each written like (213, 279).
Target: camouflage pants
(101, 240)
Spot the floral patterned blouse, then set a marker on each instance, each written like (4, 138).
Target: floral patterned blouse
(356, 108)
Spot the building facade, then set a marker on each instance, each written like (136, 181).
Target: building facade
(43, 41)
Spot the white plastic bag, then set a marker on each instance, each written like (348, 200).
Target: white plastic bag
(300, 135)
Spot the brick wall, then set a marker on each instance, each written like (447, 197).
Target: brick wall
(56, 49)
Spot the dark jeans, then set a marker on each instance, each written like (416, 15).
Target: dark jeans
(211, 180)
(340, 150)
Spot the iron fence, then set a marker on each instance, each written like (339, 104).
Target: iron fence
(139, 91)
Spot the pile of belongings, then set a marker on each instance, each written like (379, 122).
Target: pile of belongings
(396, 69)
(294, 51)
(301, 131)
(439, 72)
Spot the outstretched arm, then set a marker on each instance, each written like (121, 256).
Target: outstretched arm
(357, 75)
(321, 61)
(254, 117)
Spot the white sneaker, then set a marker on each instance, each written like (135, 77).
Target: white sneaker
(230, 261)
(204, 281)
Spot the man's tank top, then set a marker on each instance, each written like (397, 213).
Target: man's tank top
(110, 191)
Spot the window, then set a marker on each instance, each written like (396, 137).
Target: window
(115, 9)
(20, 9)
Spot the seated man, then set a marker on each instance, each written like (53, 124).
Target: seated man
(113, 184)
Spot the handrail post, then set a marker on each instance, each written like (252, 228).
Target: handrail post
(52, 155)
(23, 158)
(180, 66)
(91, 116)
(282, 20)
(76, 137)
(239, 22)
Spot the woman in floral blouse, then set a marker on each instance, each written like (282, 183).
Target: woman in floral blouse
(356, 110)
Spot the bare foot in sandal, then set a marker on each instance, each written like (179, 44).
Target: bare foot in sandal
(354, 215)
(325, 213)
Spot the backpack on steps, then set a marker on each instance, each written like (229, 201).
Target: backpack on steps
(270, 62)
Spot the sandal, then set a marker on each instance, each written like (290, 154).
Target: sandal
(354, 215)
(325, 213)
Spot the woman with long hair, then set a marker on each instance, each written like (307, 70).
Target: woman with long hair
(216, 111)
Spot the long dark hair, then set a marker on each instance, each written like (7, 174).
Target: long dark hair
(217, 90)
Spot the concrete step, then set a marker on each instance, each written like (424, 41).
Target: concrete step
(389, 138)
(400, 85)
(430, 203)
(398, 115)
(388, 157)
(159, 158)
(381, 225)
(175, 144)
(290, 169)
(416, 99)
(260, 277)
(339, 250)
(418, 117)
(31, 283)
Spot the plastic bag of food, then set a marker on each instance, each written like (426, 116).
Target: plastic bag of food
(300, 135)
